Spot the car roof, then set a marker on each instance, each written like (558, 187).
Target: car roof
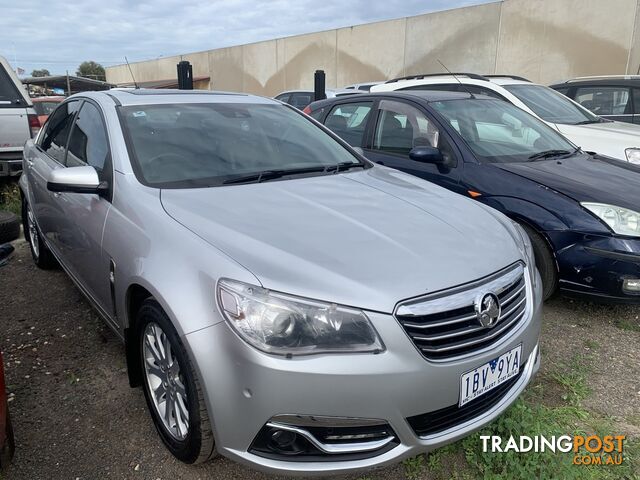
(489, 81)
(604, 80)
(143, 96)
(426, 96)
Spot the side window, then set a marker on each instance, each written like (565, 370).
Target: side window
(283, 98)
(54, 138)
(301, 99)
(88, 142)
(9, 94)
(562, 90)
(349, 120)
(401, 127)
(605, 100)
(636, 100)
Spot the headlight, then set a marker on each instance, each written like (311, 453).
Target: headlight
(633, 155)
(621, 220)
(286, 325)
(525, 245)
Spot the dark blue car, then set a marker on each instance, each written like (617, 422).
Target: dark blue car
(580, 210)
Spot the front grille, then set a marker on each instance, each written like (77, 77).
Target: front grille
(448, 417)
(445, 325)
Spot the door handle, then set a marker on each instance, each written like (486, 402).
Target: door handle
(29, 163)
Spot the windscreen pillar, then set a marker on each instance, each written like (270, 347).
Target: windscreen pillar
(185, 75)
(319, 85)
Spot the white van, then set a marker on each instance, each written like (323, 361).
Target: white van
(18, 120)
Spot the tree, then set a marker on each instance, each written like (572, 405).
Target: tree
(43, 72)
(91, 70)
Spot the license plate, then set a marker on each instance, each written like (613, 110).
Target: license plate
(480, 380)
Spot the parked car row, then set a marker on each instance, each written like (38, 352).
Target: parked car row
(289, 290)
(283, 300)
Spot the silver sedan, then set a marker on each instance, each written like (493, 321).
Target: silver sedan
(282, 301)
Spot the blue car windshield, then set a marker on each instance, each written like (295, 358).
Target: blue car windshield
(499, 132)
(212, 144)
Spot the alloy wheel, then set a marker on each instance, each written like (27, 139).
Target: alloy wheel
(165, 381)
(33, 232)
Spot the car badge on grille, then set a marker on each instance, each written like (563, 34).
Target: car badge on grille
(488, 310)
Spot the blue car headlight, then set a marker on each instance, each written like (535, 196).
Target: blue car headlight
(621, 220)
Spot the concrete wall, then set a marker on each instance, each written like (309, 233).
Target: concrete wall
(543, 40)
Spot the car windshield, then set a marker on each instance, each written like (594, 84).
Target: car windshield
(552, 106)
(499, 132)
(212, 144)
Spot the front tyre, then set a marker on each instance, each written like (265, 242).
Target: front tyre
(172, 388)
(545, 262)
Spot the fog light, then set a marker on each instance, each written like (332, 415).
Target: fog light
(631, 285)
(283, 439)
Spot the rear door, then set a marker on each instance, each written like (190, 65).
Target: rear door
(401, 126)
(49, 155)
(14, 124)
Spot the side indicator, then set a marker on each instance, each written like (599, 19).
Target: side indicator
(474, 194)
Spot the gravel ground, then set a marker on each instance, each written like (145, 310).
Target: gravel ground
(76, 417)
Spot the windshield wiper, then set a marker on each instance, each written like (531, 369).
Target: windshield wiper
(548, 154)
(588, 122)
(342, 166)
(266, 175)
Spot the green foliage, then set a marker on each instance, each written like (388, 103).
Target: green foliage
(413, 467)
(91, 69)
(43, 72)
(10, 198)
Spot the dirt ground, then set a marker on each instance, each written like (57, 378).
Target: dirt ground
(75, 416)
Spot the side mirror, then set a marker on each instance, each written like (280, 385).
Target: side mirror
(426, 155)
(75, 180)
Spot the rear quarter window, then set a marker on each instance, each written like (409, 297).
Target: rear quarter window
(10, 96)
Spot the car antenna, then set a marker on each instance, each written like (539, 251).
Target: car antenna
(457, 80)
(131, 72)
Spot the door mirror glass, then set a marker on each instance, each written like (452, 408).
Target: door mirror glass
(76, 180)
(426, 155)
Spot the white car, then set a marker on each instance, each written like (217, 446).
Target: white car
(365, 87)
(579, 125)
(18, 120)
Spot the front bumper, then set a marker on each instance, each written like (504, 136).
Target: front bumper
(245, 389)
(596, 266)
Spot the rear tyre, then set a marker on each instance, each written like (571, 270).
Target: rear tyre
(9, 227)
(171, 387)
(545, 262)
(42, 256)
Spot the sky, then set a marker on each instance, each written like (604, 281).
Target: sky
(59, 35)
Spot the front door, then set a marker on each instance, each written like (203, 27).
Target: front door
(399, 128)
(87, 213)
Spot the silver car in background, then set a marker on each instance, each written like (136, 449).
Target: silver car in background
(282, 301)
